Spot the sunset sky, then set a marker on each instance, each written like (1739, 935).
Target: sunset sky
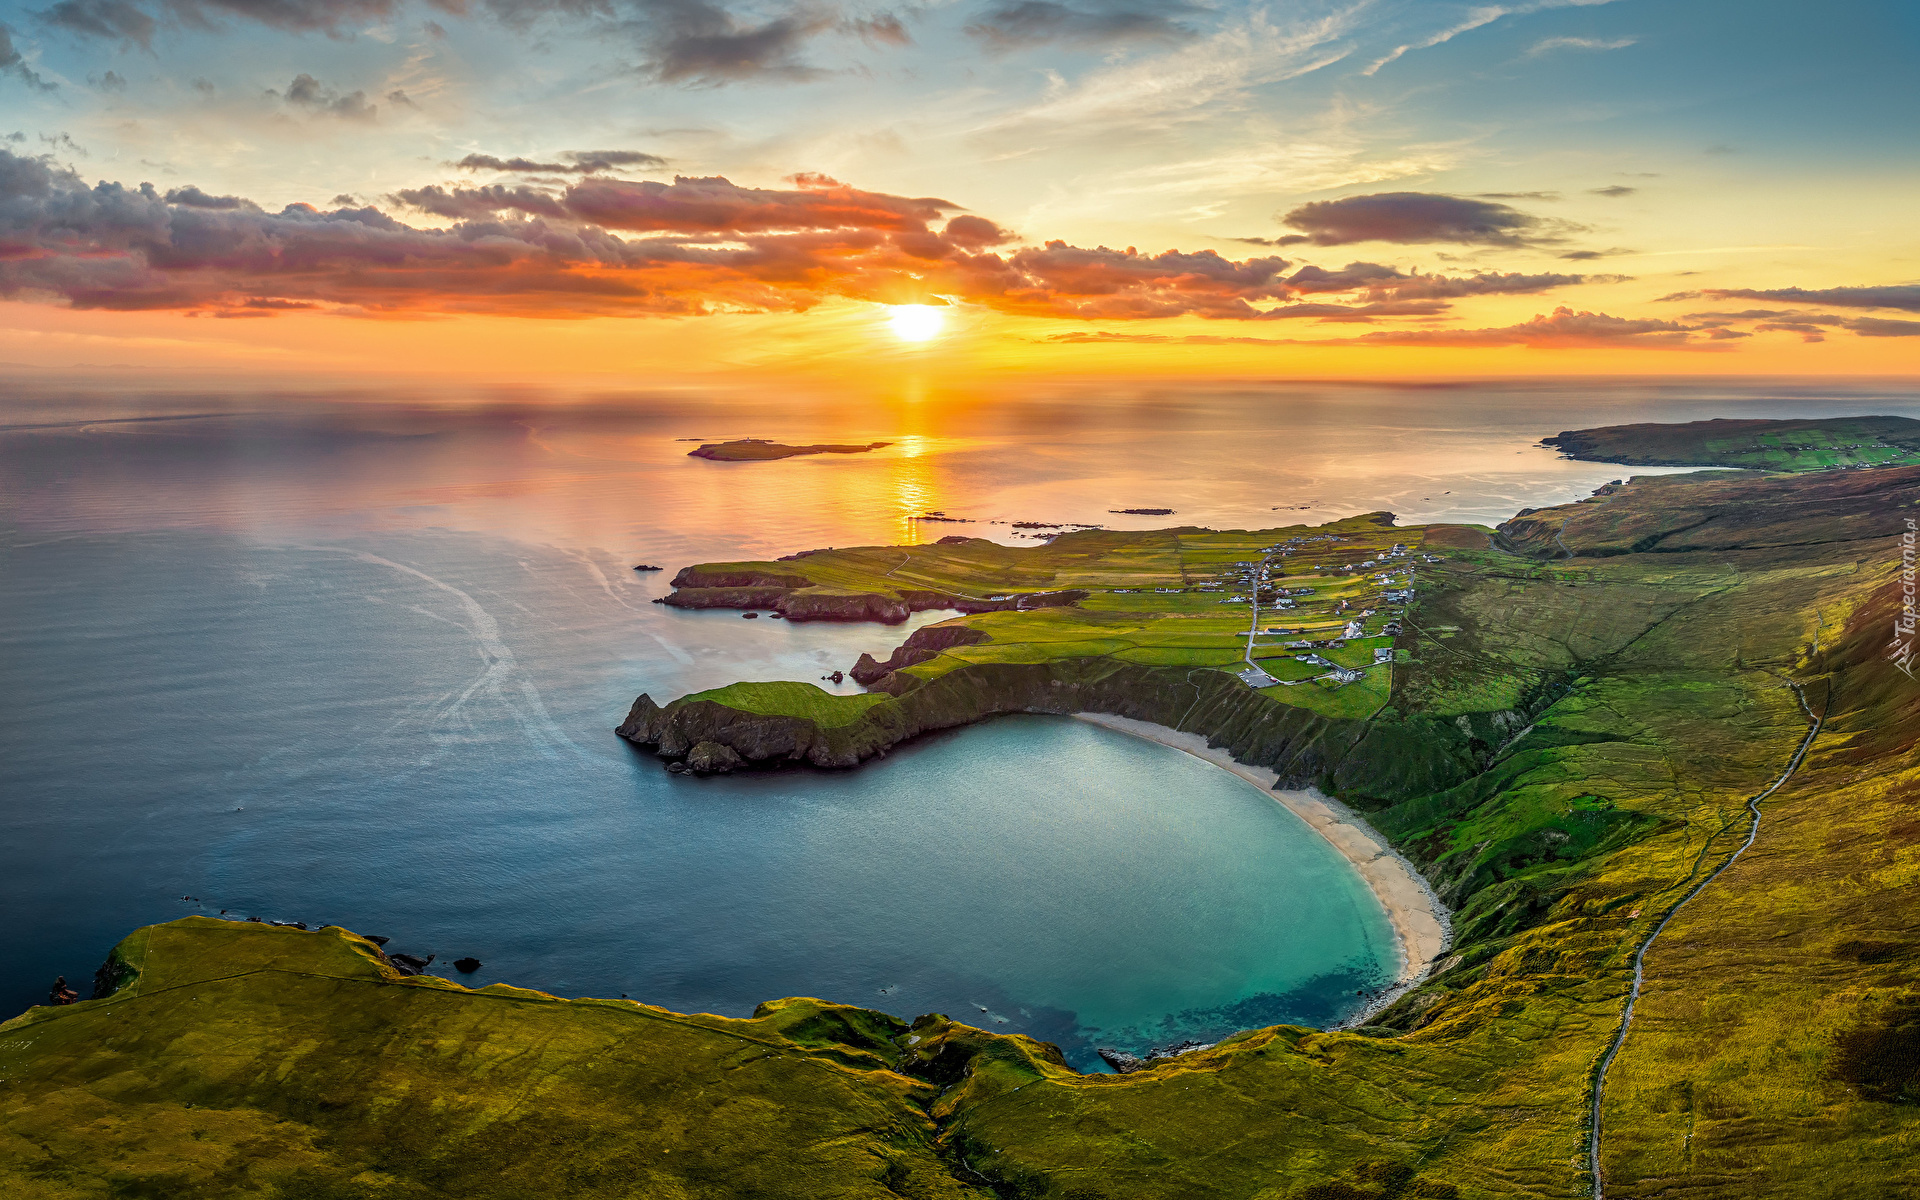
(654, 188)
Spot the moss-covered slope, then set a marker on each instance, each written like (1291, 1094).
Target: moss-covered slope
(248, 1060)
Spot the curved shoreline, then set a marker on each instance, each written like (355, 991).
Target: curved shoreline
(1421, 925)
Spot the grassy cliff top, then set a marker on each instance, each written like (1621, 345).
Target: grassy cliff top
(1762, 445)
(248, 1060)
(1155, 598)
(785, 699)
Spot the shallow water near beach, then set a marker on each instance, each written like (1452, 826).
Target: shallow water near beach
(353, 660)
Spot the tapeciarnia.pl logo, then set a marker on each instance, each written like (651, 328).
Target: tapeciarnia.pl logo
(1901, 653)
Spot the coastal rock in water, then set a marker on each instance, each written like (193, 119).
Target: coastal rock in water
(466, 966)
(713, 758)
(1126, 1063)
(60, 993)
(1121, 1061)
(409, 964)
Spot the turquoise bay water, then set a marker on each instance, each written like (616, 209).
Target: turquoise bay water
(359, 663)
(413, 739)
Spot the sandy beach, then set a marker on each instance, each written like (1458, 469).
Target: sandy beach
(1420, 923)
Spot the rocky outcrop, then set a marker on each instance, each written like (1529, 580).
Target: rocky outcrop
(713, 758)
(762, 597)
(1125, 1063)
(922, 645)
(112, 974)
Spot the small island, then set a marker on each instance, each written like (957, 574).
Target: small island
(1142, 512)
(758, 450)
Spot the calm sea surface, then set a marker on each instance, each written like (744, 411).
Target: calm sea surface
(356, 658)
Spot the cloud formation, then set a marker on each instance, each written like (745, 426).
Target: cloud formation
(602, 245)
(573, 162)
(1549, 45)
(1902, 297)
(1563, 329)
(295, 16)
(1478, 17)
(1415, 217)
(1811, 326)
(1023, 23)
(110, 20)
(310, 95)
(13, 64)
(694, 42)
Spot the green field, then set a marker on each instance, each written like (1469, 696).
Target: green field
(1126, 616)
(784, 699)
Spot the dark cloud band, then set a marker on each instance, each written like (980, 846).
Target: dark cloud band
(1417, 217)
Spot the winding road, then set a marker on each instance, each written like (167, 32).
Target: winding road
(1639, 957)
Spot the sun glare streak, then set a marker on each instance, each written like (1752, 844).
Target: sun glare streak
(916, 322)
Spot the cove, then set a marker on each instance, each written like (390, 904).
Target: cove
(407, 734)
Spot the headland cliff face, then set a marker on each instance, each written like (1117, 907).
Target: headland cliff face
(1383, 760)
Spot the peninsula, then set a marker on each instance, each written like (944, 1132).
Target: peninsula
(756, 450)
(1764, 445)
(1644, 744)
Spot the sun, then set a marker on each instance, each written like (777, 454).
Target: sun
(916, 322)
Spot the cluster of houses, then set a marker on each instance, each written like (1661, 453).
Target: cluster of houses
(1250, 579)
